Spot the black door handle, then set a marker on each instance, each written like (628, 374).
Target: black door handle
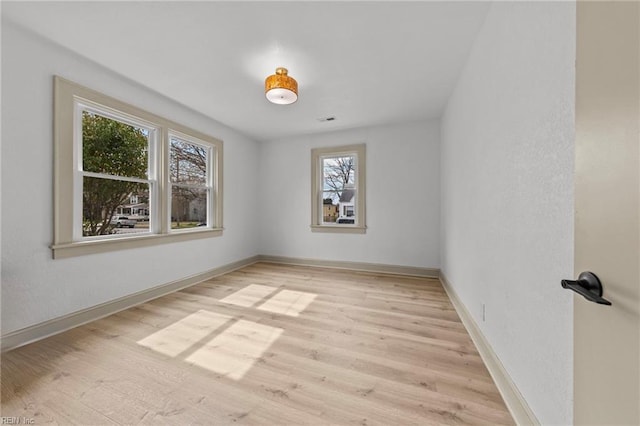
(589, 286)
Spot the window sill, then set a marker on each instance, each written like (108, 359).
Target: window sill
(81, 248)
(339, 229)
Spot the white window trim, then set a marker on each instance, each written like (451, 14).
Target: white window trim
(317, 154)
(66, 242)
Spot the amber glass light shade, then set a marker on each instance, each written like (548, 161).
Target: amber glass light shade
(280, 88)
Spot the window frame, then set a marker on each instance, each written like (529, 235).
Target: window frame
(67, 242)
(210, 181)
(317, 156)
(82, 105)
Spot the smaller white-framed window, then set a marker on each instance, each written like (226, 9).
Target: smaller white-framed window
(338, 189)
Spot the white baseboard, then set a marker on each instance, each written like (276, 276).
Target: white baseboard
(48, 328)
(355, 266)
(514, 400)
(54, 326)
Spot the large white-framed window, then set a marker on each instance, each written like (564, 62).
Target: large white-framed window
(120, 174)
(338, 189)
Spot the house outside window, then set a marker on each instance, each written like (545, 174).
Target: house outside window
(116, 186)
(338, 189)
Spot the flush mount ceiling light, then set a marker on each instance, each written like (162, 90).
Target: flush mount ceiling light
(280, 88)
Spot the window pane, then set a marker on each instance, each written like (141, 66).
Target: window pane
(188, 163)
(338, 172)
(339, 192)
(107, 207)
(188, 207)
(114, 148)
(330, 207)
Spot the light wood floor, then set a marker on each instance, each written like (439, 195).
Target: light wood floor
(265, 345)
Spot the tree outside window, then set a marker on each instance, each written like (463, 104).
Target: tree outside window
(111, 151)
(190, 183)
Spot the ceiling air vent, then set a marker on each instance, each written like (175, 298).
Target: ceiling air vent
(323, 119)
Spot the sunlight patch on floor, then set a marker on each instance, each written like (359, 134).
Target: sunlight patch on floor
(288, 302)
(234, 351)
(183, 334)
(249, 295)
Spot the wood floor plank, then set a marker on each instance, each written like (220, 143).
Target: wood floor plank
(265, 345)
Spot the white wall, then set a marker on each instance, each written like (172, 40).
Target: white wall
(36, 288)
(507, 195)
(402, 197)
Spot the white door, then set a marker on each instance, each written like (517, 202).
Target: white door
(607, 232)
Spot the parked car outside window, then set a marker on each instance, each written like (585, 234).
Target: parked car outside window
(123, 222)
(349, 220)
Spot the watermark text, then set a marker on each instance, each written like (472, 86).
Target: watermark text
(16, 420)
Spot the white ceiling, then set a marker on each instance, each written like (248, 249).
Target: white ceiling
(365, 63)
